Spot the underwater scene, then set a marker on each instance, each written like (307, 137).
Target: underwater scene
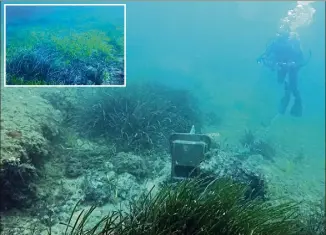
(220, 129)
(85, 46)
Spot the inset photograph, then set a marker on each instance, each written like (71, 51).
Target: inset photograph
(65, 45)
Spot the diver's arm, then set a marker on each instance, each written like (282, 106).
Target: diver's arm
(270, 48)
(267, 53)
(304, 62)
(300, 58)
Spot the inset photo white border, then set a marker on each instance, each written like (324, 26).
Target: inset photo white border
(47, 86)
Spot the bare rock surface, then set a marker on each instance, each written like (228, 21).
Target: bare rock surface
(28, 126)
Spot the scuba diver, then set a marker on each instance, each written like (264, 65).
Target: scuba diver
(285, 56)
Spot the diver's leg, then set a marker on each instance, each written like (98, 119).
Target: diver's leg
(296, 109)
(286, 98)
(281, 73)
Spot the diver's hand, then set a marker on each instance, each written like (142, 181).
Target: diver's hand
(259, 60)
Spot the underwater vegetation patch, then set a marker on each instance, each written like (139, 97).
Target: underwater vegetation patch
(316, 221)
(45, 57)
(141, 116)
(85, 44)
(257, 146)
(195, 206)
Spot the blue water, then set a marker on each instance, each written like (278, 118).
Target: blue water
(67, 18)
(211, 48)
(72, 15)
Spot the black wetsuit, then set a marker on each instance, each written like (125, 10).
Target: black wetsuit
(285, 56)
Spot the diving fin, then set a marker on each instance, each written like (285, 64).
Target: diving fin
(296, 109)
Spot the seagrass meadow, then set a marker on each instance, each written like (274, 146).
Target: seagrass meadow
(71, 52)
